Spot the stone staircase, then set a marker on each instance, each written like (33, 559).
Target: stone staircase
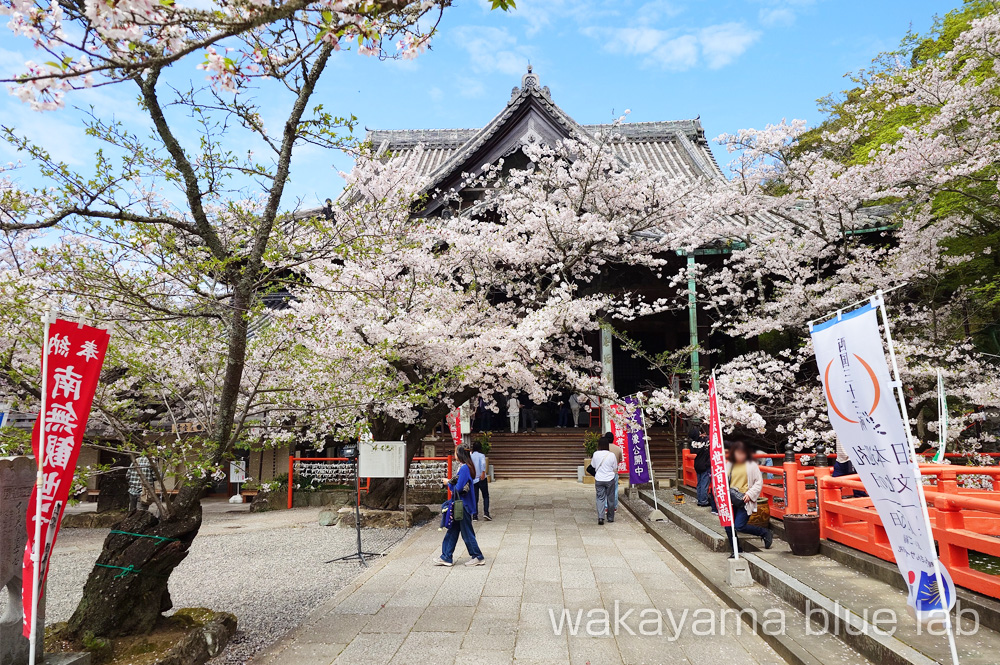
(556, 453)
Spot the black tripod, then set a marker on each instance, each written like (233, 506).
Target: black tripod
(352, 454)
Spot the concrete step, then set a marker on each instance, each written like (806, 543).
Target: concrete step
(844, 599)
(556, 453)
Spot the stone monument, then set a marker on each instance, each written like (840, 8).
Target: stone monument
(17, 476)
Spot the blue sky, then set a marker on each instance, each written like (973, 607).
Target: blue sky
(736, 63)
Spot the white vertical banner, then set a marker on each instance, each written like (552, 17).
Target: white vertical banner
(869, 422)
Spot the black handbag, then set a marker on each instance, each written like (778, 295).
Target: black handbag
(591, 470)
(736, 497)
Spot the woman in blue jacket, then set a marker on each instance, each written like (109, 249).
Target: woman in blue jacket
(462, 489)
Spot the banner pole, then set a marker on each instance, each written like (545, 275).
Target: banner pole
(942, 419)
(732, 510)
(36, 549)
(657, 515)
(901, 398)
(649, 458)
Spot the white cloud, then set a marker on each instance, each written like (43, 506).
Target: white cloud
(781, 13)
(492, 50)
(654, 11)
(538, 14)
(549, 15)
(679, 53)
(716, 46)
(776, 17)
(722, 44)
(632, 41)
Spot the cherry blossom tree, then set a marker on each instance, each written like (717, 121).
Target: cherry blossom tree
(492, 298)
(95, 44)
(181, 237)
(898, 193)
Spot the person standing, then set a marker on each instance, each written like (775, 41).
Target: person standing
(574, 407)
(605, 479)
(745, 485)
(138, 495)
(484, 417)
(481, 482)
(842, 466)
(462, 489)
(528, 417)
(563, 414)
(513, 412)
(702, 464)
(616, 450)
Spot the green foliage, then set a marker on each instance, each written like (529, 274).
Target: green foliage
(14, 441)
(973, 269)
(590, 442)
(946, 30)
(483, 438)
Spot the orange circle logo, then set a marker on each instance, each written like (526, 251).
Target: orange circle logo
(833, 403)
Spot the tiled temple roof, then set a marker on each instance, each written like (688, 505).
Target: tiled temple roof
(677, 147)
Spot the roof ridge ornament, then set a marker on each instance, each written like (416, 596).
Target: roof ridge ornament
(530, 80)
(529, 83)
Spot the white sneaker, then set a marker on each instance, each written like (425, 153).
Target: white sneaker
(441, 562)
(476, 562)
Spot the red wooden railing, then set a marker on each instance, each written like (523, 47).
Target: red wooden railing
(964, 519)
(783, 497)
(367, 481)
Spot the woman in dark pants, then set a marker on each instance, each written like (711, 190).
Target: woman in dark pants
(699, 442)
(462, 490)
(745, 477)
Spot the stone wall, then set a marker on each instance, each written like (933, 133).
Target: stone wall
(17, 476)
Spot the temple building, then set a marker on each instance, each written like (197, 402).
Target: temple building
(450, 158)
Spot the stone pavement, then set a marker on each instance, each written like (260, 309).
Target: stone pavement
(544, 551)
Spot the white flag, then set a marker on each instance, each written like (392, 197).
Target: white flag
(867, 420)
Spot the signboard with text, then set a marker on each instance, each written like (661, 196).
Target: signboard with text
(636, 449)
(74, 355)
(619, 430)
(868, 422)
(382, 459)
(238, 472)
(717, 459)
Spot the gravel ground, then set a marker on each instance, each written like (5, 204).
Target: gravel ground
(266, 568)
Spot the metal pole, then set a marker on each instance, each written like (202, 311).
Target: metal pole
(897, 383)
(607, 373)
(36, 550)
(693, 324)
(649, 458)
(942, 419)
(357, 511)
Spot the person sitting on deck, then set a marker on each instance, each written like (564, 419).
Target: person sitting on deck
(745, 485)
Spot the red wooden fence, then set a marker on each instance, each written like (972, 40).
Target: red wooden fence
(964, 519)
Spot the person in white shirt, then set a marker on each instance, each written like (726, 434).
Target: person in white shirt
(513, 412)
(481, 483)
(605, 479)
(616, 450)
(574, 406)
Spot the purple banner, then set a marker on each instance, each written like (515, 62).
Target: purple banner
(638, 463)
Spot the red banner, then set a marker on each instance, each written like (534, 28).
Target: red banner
(455, 425)
(619, 430)
(74, 354)
(717, 455)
